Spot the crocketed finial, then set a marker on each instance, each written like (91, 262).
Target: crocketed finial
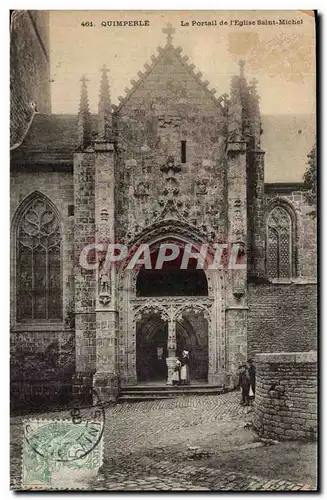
(84, 117)
(105, 116)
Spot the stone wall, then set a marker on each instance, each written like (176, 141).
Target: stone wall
(286, 396)
(306, 228)
(41, 367)
(84, 280)
(29, 69)
(282, 317)
(235, 338)
(43, 355)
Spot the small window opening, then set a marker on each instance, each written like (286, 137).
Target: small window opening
(183, 151)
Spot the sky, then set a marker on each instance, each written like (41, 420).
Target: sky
(280, 57)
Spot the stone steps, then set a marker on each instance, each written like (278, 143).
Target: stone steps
(148, 393)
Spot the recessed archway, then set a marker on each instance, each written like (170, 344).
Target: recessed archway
(151, 348)
(171, 280)
(133, 305)
(192, 335)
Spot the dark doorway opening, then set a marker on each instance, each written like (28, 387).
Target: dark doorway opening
(151, 349)
(192, 336)
(171, 280)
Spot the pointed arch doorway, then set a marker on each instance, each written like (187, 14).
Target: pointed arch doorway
(170, 287)
(151, 348)
(207, 300)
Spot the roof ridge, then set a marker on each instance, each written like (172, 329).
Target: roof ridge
(141, 77)
(197, 75)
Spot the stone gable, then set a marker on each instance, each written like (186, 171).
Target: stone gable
(170, 105)
(170, 86)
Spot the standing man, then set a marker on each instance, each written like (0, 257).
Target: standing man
(245, 384)
(251, 369)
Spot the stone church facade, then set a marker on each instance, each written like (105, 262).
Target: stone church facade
(172, 163)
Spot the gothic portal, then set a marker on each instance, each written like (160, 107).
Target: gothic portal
(171, 164)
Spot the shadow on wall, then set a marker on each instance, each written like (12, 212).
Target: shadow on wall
(41, 374)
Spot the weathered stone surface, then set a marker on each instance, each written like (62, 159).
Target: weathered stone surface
(296, 416)
(29, 74)
(282, 317)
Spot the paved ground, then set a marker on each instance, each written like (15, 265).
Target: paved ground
(191, 443)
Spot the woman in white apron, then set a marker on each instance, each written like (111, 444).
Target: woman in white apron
(185, 369)
(176, 378)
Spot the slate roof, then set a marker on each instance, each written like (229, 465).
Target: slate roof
(286, 139)
(50, 133)
(51, 140)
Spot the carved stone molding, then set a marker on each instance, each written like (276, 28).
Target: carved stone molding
(174, 225)
(201, 186)
(189, 306)
(104, 215)
(238, 223)
(235, 146)
(145, 308)
(104, 299)
(170, 169)
(142, 189)
(171, 308)
(165, 121)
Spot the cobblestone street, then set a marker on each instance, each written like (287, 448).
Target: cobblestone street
(194, 443)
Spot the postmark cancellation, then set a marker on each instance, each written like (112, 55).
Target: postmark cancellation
(60, 454)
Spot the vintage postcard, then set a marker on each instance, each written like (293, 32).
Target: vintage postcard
(163, 250)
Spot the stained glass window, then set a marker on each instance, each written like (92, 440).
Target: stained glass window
(279, 244)
(38, 263)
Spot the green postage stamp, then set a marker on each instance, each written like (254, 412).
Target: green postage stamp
(60, 454)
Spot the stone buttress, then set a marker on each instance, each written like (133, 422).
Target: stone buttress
(105, 381)
(84, 234)
(245, 199)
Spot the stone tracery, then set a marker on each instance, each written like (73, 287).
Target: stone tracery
(280, 235)
(38, 251)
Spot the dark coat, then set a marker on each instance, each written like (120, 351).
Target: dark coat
(185, 361)
(245, 380)
(251, 370)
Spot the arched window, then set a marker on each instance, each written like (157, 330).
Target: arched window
(280, 253)
(38, 262)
